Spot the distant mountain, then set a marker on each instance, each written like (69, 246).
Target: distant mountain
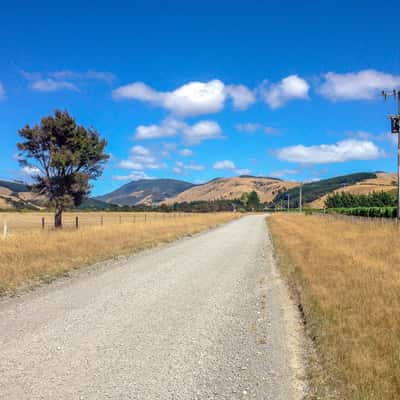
(232, 188)
(146, 191)
(16, 195)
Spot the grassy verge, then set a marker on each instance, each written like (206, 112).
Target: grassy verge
(34, 257)
(348, 279)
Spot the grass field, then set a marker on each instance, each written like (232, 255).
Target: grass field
(18, 222)
(32, 256)
(348, 278)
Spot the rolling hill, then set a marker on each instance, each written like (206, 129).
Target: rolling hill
(315, 193)
(232, 188)
(146, 191)
(16, 195)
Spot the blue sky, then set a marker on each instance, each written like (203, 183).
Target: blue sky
(198, 90)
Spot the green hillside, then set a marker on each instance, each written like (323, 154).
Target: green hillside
(315, 190)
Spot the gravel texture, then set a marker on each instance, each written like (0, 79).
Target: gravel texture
(207, 317)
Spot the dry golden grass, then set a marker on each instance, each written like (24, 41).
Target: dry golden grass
(28, 258)
(27, 221)
(348, 275)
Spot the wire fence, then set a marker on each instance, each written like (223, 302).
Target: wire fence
(13, 223)
(357, 219)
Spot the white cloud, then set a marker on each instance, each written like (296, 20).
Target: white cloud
(362, 85)
(224, 164)
(2, 92)
(141, 159)
(230, 166)
(192, 134)
(203, 130)
(290, 88)
(51, 85)
(140, 150)
(344, 150)
(191, 99)
(182, 169)
(242, 96)
(251, 127)
(169, 127)
(186, 152)
(64, 80)
(30, 170)
(134, 176)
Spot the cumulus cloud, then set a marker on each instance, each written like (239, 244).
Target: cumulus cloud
(141, 158)
(169, 127)
(224, 164)
(290, 88)
(192, 134)
(182, 169)
(230, 166)
(64, 80)
(203, 130)
(186, 152)
(191, 99)
(2, 92)
(51, 85)
(251, 127)
(362, 85)
(30, 170)
(344, 150)
(241, 95)
(134, 176)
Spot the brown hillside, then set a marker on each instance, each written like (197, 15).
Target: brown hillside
(383, 182)
(233, 188)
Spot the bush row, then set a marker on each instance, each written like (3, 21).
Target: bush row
(376, 212)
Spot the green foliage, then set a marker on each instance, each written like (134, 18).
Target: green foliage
(65, 155)
(315, 190)
(253, 201)
(348, 200)
(374, 212)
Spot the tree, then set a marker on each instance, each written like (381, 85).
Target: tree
(63, 156)
(253, 201)
(244, 199)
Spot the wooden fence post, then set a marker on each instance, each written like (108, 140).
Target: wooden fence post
(77, 222)
(5, 230)
(43, 223)
(120, 220)
(101, 220)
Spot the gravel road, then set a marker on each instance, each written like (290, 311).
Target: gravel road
(206, 317)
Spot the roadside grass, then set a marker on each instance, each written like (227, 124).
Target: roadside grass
(34, 257)
(347, 276)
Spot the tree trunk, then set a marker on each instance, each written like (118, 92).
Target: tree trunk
(58, 218)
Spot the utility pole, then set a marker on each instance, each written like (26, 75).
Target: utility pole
(395, 129)
(300, 198)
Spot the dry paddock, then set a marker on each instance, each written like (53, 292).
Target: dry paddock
(347, 274)
(30, 255)
(34, 221)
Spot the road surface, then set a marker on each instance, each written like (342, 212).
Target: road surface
(206, 317)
